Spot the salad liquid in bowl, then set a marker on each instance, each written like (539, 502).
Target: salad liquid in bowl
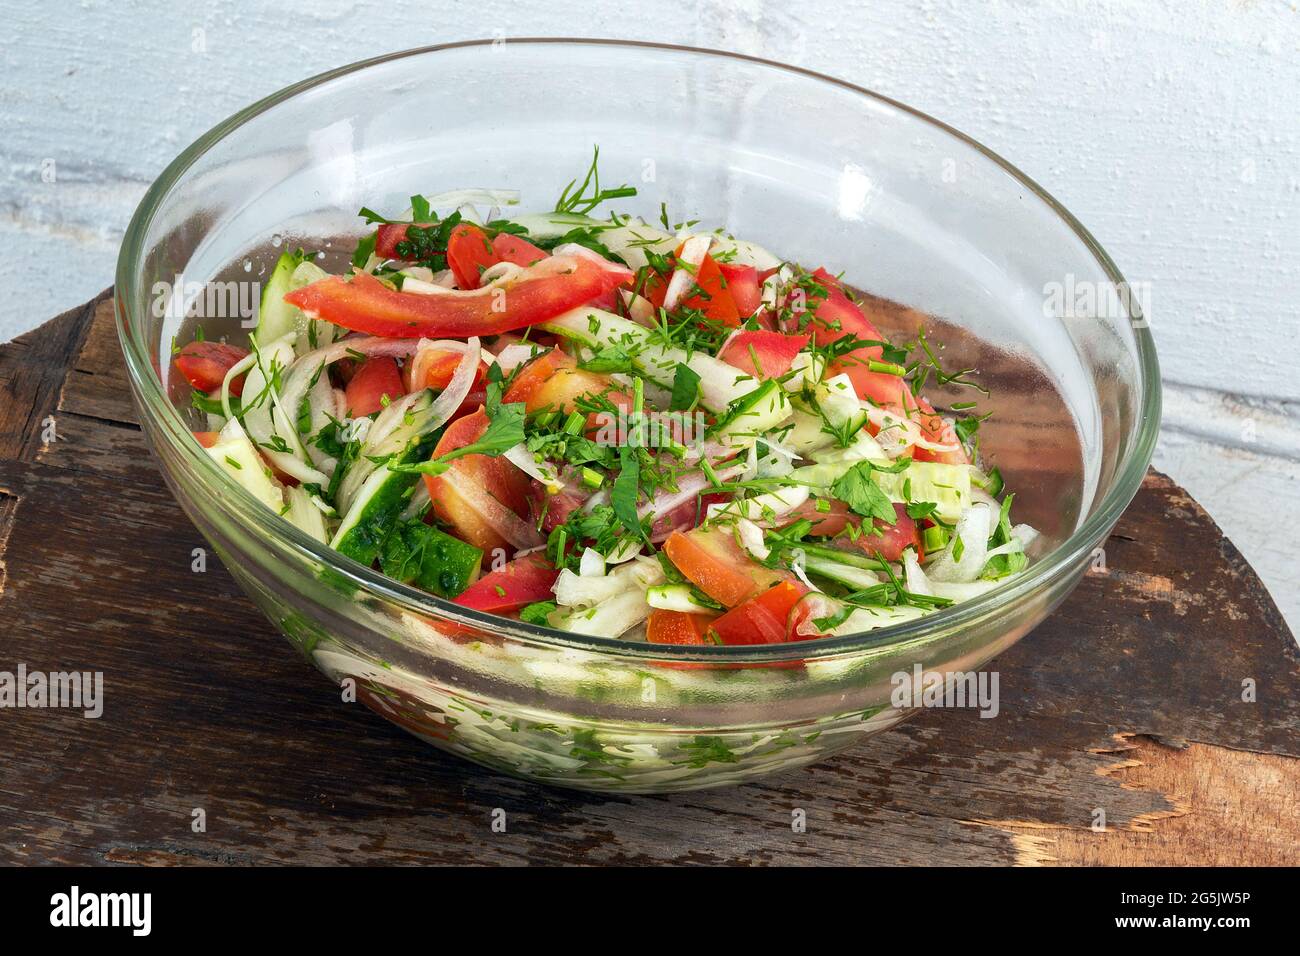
(815, 171)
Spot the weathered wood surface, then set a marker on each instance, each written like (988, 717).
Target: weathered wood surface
(1128, 701)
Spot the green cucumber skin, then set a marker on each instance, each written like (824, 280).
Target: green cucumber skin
(274, 315)
(364, 540)
(447, 564)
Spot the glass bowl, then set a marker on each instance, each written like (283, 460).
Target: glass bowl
(942, 233)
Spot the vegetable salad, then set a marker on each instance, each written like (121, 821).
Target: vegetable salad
(607, 426)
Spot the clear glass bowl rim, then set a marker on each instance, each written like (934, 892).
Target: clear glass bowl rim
(258, 519)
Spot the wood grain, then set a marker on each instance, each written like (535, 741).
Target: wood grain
(1128, 700)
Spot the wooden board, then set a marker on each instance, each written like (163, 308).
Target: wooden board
(1127, 702)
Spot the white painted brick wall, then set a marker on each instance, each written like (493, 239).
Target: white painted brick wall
(1170, 127)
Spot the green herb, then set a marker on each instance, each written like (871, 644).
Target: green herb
(686, 389)
(857, 489)
(623, 493)
(538, 613)
(580, 201)
(505, 430)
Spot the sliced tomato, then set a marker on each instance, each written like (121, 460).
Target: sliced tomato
(206, 439)
(553, 380)
(517, 249)
(375, 379)
(882, 388)
(678, 627)
(713, 561)
(521, 582)
(743, 286)
(390, 234)
(496, 476)
(205, 364)
(774, 352)
(710, 295)
(469, 252)
(537, 293)
(834, 315)
(761, 619)
(844, 526)
(937, 429)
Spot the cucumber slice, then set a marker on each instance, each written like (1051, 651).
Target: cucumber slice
(720, 383)
(383, 496)
(275, 317)
(415, 553)
(304, 514)
(948, 486)
(677, 597)
(754, 414)
(846, 574)
(235, 454)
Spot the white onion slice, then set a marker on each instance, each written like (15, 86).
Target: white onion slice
(526, 461)
(973, 528)
(391, 418)
(688, 486)
(693, 252)
(591, 564)
(298, 377)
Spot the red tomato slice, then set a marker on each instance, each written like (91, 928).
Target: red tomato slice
(678, 627)
(205, 364)
(390, 234)
(774, 351)
(835, 316)
(936, 428)
(553, 380)
(761, 619)
(712, 297)
(376, 378)
(523, 581)
(743, 286)
(517, 249)
(889, 544)
(495, 475)
(536, 294)
(713, 561)
(880, 387)
(469, 252)
(206, 439)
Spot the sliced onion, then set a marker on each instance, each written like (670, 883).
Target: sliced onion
(693, 252)
(298, 377)
(973, 527)
(425, 351)
(591, 564)
(688, 486)
(390, 419)
(765, 507)
(512, 356)
(526, 461)
(639, 309)
(751, 539)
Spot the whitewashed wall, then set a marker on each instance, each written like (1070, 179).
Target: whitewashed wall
(1170, 127)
